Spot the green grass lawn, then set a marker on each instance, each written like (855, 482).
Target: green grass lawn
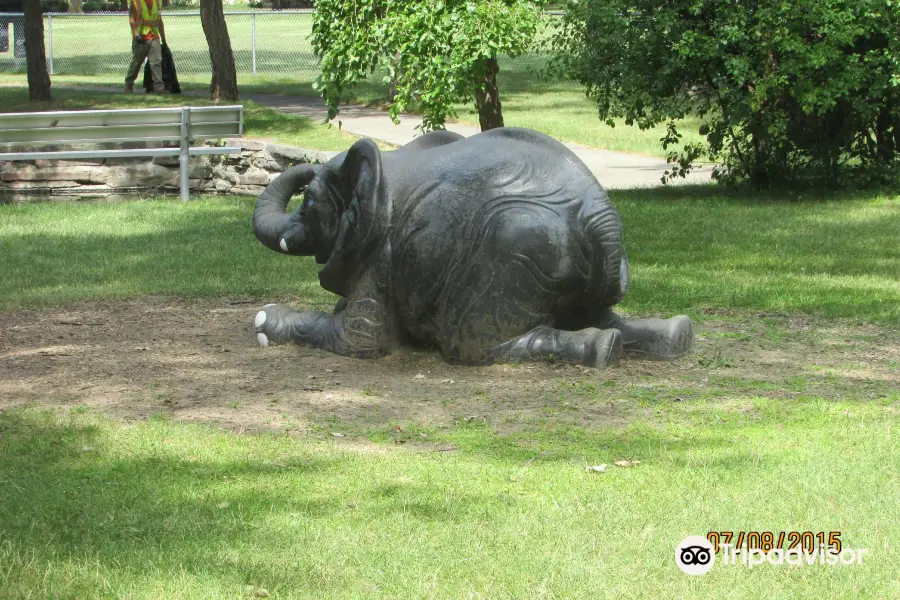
(260, 122)
(94, 507)
(689, 250)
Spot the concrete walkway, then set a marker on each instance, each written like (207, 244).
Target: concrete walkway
(614, 170)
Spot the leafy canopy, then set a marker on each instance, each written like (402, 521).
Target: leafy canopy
(790, 90)
(434, 52)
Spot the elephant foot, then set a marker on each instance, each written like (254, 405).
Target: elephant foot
(591, 347)
(273, 325)
(657, 339)
(276, 324)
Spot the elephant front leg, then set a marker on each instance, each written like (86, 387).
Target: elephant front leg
(591, 347)
(356, 329)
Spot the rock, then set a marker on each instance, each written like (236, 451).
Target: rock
(42, 163)
(129, 161)
(201, 185)
(265, 161)
(25, 172)
(254, 176)
(244, 174)
(288, 153)
(88, 190)
(200, 172)
(40, 185)
(174, 162)
(245, 144)
(226, 173)
(247, 190)
(297, 155)
(147, 174)
(166, 161)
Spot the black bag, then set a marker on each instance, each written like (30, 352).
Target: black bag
(169, 75)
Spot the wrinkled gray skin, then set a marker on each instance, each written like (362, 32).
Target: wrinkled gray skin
(499, 247)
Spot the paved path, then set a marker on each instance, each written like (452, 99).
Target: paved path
(614, 170)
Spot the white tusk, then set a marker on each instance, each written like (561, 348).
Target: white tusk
(283, 245)
(262, 339)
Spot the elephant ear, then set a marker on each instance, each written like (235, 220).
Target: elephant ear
(364, 220)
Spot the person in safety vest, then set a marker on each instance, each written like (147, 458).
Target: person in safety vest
(147, 31)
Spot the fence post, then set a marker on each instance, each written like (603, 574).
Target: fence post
(253, 41)
(184, 157)
(50, 43)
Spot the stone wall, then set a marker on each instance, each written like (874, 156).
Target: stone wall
(246, 173)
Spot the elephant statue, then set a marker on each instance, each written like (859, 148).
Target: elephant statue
(499, 247)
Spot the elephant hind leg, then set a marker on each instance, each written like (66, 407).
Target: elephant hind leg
(591, 347)
(657, 339)
(648, 339)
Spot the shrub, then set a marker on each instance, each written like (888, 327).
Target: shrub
(790, 91)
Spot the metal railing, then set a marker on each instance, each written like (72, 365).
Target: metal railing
(147, 125)
(264, 42)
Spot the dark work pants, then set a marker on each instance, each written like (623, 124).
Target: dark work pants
(139, 52)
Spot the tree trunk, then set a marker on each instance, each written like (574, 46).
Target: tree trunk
(75, 6)
(487, 96)
(884, 136)
(36, 57)
(224, 76)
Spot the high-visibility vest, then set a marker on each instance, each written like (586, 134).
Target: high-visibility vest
(147, 16)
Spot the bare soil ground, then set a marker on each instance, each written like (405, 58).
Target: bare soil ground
(198, 360)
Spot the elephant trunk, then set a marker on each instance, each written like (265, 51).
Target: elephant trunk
(270, 218)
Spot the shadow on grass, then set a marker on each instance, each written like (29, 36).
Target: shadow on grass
(159, 247)
(143, 502)
(700, 247)
(70, 494)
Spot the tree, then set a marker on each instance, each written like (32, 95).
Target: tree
(224, 75)
(36, 57)
(789, 91)
(75, 6)
(435, 53)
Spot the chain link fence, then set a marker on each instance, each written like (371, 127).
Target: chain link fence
(263, 42)
(273, 43)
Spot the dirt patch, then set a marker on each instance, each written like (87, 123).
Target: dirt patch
(197, 360)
